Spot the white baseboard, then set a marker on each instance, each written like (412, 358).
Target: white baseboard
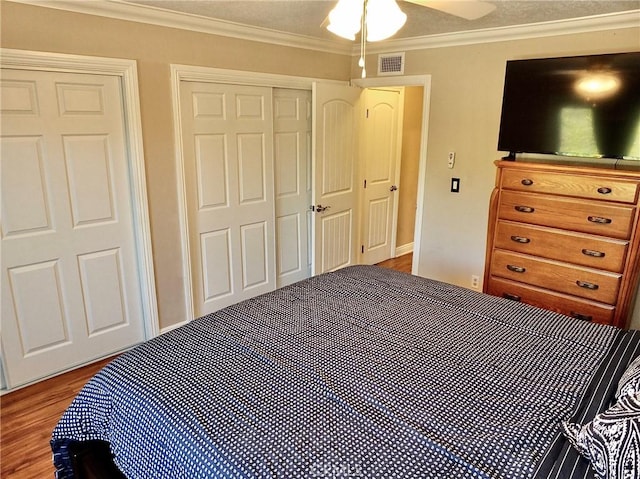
(404, 249)
(172, 327)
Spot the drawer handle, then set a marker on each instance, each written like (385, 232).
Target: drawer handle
(587, 285)
(581, 317)
(524, 209)
(516, 269)
(512, 297)
(520, 239)
(599, 220)
(604, 190)
(527, 182)
(593, 253)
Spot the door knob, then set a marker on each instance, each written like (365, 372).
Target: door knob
(320, 208)
(393, 188)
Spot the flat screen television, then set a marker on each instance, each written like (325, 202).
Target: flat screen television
(581, 106)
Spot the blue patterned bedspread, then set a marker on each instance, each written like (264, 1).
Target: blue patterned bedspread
(363, 372)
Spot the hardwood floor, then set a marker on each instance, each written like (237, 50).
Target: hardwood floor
(27, 418)
(401, 263)
(29, 415)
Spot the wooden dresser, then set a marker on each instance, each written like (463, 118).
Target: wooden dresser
(565, 238)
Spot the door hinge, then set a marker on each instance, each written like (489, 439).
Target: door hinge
(362, 249)
(365, 183)
(367, 113)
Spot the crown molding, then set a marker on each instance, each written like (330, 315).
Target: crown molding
(185, 21)
(611, 21)
(155, 16)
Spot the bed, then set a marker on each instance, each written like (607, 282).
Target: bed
(363, 372)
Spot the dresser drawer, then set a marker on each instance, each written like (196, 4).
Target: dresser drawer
(561, 303)
(557, 276)
(577, 248)
(582, 186)
(586, 216)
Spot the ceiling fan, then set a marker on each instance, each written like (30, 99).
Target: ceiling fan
(381, 19)
(467, 9)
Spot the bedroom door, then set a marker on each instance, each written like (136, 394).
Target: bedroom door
(70, 285)
(335, 176)
(292, 160)
(380, 153)
(227, 141)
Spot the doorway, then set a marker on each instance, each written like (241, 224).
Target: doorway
(420, 143)
(390, 157)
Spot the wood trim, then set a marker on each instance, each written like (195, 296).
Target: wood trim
(574, 169)
(631, 286)
(491, 231)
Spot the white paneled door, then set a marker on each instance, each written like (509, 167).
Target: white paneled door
(292, 160)
(227, 141)
(380, 154)
(335, 175)
(70, 286)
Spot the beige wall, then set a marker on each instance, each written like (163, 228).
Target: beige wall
(408, 192)
(155, 48)
(466, 97)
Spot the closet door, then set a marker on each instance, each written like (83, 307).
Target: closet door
(227, 140)
(70, 286)
(336, 186)
(292, 157)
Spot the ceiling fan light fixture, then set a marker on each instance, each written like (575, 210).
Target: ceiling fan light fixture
(378, 20)
(345, 18)
(384, 19)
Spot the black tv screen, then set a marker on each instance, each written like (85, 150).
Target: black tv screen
(582, 106)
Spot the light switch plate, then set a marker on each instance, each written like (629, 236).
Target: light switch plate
(451, 159)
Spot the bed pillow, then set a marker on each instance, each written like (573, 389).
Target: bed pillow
(630, 380)
(611, 442)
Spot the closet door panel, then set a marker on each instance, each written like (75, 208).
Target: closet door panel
(227, 138)
(292, 157)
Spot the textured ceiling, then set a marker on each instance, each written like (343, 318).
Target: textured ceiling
(306, 16)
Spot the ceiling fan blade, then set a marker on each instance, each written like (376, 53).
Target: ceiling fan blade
(468, 9)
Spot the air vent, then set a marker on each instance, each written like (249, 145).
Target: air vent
(391, 64)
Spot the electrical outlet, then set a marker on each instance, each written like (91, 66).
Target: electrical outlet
(475, 281)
